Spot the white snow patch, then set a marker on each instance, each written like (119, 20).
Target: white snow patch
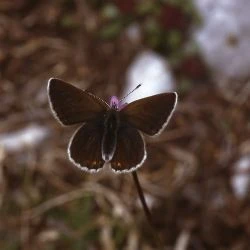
(241, 180)
(152, 71)
(29, 136)
(224, 19)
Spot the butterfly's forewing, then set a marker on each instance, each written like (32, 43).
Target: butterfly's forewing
(72, 105)
(150, 114)
(85, 147)
(130, 150)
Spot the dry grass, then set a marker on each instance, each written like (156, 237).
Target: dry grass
(46, 203)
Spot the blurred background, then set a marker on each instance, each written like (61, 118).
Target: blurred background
(196, 178)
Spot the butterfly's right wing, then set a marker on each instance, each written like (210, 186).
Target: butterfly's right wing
(130, 150)
(150, 114)
(71, 105)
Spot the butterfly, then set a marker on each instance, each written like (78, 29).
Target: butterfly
(109, 133)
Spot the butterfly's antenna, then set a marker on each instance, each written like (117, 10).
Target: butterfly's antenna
(139, 85)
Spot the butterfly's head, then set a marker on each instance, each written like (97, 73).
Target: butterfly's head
(114, 103)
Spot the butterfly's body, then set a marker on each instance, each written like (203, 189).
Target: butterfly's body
(110, 132)
(111, 126)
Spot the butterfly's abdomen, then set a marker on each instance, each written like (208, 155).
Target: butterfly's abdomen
(111, 125)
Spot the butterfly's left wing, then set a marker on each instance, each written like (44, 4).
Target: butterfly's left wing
(71, 105)
(130, 150)
(150, 114)
(85, 147)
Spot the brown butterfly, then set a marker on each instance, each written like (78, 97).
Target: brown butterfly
(110, 133)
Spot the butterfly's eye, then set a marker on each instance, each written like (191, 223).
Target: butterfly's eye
(114, 105)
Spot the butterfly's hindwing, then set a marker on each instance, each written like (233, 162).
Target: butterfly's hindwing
(85, 147)
(130, 150)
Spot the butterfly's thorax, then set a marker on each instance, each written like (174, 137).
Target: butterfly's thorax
(111, 126)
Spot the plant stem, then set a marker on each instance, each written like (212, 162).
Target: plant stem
(142, 198)
(157, 239)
